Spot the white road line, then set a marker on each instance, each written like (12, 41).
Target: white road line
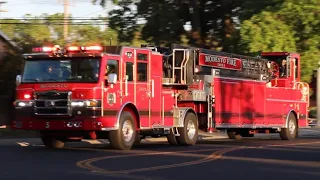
(23, 144)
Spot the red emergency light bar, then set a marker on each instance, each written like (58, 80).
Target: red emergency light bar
(45, 49)
(274, 53)
(69, 49)
(84, 48)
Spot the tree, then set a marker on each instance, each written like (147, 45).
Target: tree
(303, 16)
(264, 32)
(212, 24)
(292, 26)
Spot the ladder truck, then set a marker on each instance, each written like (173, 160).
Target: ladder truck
(125, 94)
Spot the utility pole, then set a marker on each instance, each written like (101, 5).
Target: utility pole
(65, 24)
(318, 96)
(1, 10)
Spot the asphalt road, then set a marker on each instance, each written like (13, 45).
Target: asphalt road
(262, 157)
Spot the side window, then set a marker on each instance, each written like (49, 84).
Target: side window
(296, 68)
(129, 70)
(112, 67)
(142, 72)
(289, 68)
(142, 57)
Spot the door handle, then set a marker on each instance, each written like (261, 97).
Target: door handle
(152, 88)
(126, 87)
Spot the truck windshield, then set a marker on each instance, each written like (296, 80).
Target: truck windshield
(61, 70)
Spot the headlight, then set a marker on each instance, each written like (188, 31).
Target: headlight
(23, 103)
(85, 103)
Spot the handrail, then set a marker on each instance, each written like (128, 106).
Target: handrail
(304, 87)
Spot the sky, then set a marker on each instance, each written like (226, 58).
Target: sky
(78, 8)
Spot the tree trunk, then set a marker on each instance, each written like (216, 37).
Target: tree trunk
(227, 26)
(196, 37)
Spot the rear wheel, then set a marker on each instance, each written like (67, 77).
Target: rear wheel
(51, 142)
(172, 139)
(125, 136)
(246, 133)
(233, 134)
(291, 132)
(188, 133)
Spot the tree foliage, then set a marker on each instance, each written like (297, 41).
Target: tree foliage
(292, 26)
(264, 32)
(44, 30)
(211, 22)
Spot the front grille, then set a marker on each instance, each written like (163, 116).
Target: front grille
(52, 103)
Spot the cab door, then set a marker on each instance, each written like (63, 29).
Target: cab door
(112, 93)
(135, 86)
(142, 84)
(155, 99)
(128, 87)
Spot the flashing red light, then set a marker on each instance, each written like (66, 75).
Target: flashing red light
(92, 48)
(73, 48)
(45, 49)
(26, 96)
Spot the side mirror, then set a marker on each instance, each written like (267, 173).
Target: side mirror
(18, 80)
(112, 78)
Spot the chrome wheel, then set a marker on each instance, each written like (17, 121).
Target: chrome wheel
(127, 131)
(292, 127)
(191, 129)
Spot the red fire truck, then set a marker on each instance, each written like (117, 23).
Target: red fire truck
(124, 94)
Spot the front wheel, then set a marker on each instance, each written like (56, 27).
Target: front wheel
(51, 142)
(188, 133)
(125, 136)
(291, 132)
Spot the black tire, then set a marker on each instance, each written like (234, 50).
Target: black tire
(117, 138)
(51, 142)
(246, 134)
(184, 139)
(234, 135)
(291, 132)
(172, 139)
(137, 139)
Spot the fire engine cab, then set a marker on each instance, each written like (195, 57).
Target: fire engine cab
(124, 94)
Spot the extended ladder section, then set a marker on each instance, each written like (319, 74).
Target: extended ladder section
(241, 66)
(179, 63)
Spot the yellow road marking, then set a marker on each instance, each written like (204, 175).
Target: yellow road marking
(87, 163)
(275, 161)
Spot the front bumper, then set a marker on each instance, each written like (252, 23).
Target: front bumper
(87, 124)
(81, 120)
